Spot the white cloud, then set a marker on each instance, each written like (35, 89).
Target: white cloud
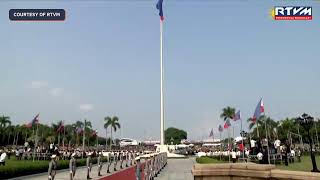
(86, 107)
(56, 91)
(38, 84)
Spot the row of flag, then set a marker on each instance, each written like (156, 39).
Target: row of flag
(60, 128)
(237, 116)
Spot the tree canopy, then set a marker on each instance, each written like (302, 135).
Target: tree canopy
(174, 134)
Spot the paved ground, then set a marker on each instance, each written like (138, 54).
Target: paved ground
(81, 174)
(177, 169)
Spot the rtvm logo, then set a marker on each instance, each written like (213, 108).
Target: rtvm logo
(292, 13)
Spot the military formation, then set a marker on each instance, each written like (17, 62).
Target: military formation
(147, 164)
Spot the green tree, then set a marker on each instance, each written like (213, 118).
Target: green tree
(227, 113)
(4, 123)
(114, 124)
(271, 127)
(174, 134)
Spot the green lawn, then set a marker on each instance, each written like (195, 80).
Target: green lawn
(207, 160)
(304, 165)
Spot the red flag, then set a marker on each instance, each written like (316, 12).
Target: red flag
(227, 124)
(60, 128)
(94, 133)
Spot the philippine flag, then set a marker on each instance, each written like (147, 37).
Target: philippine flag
(259, 110)
(227, 124)
(159, 7)
(237, 116)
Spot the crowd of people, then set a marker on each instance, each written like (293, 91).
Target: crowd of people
(258, 150)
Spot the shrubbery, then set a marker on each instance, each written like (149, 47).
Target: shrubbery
(15, 168)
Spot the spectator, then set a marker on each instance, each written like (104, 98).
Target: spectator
(3, 157)
(277, 145)
(259, 156)
(292, 155)
(234, 156)
(299, 155)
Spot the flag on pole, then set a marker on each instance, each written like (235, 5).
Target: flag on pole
(34, 121)
(220, 128)
(211, 133)
(159, 7)
(227, 124)
(237, 116)
(61, 127)
(94, 133)
(79, 130)
(258, 111)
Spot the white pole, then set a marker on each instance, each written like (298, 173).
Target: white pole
(84, 135)
(161, 86)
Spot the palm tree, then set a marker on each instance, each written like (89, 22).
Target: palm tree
(78, 124)
(4, 122)
(227, 113)
(272, 126)
(114, 124)
(87, 129)
(106, 125)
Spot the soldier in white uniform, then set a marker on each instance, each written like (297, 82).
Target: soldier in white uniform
(89, 165)
(99, 162)
(121, 156)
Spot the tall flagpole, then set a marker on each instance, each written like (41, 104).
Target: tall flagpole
(161, 86)
(229, 144)
(265, 126)
(220, 145)
(36, 142)
(241, 133)
(84, 135)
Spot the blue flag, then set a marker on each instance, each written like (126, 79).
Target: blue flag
(159, 7)
(237, 116)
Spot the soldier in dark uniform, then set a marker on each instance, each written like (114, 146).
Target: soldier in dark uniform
(72, 166)
(122, 157)
(138, 171)
(89, 165)
(99, 163)
(116, 156)
(110, 159)
(52, 167)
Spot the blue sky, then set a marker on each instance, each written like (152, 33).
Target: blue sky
(104, 61)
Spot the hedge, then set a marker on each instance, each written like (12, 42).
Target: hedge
(15, 168)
